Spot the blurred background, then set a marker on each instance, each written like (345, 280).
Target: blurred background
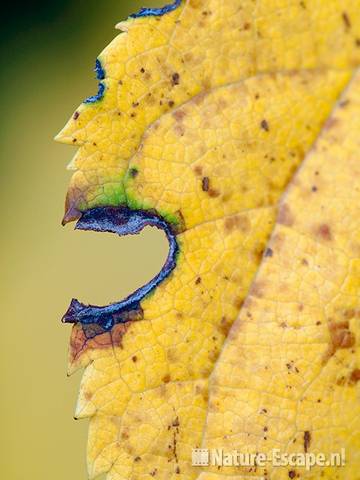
(48, 50)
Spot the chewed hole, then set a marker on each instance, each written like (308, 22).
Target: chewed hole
(103, 267)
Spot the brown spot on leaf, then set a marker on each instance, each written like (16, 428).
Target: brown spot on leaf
(213, 193)
(355, 376)
(166, 378)
(346, 20)
(180, 227)
(88, 396)
(330, 123)
(285, 216)
(133, 172)
(224, 326)
(268, 252)
(349, 313)
(175, 79)
(239, 301)
(307, 440)
(179, 115)
(179, 129)
(176, 422)
(76, 115)
(188, 57)
(258, 253)
(237, 222)
(264, 125)
(324, 232)
(257, 289)
(340, 337)
(205, 184)
(199, 99)
(151, 100)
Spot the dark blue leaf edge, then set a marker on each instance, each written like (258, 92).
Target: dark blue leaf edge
(121, 221)
(156, 12)
(100, 75)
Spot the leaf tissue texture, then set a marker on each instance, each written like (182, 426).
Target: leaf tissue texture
(234, 127)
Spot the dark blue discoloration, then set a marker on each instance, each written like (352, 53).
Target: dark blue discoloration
(98, 96)
(122, 221)
(100, 72)
(150, 12)
(100, 75)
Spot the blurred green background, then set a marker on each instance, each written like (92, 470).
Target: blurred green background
(48, 51)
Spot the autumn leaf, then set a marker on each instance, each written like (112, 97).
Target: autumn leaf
(204, 112)
(288, 372)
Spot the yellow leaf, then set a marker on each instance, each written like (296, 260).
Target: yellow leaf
(288, 372)
(202, 117)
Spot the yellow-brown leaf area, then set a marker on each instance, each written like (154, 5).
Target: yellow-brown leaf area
(247, 153)
(288, 375)
(159, 63)
(214, 115)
